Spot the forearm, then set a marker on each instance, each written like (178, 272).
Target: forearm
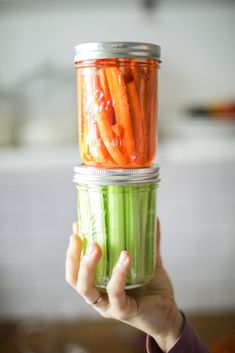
(187, 342)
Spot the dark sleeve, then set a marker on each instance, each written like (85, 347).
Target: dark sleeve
(188, 342)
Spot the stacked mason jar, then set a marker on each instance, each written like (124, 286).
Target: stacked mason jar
(117, 182)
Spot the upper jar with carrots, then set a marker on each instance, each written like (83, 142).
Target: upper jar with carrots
(117, 103)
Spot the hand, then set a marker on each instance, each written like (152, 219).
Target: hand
(151, 308)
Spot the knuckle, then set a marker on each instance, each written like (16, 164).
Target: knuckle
(86, 263)
(113, 291)
(82, 290)
(109, 289)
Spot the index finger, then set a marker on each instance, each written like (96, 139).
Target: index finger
(72, 263)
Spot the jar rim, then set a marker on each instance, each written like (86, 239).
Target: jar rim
(108, 50)
(88, 175)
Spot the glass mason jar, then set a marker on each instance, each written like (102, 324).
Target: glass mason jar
(117, 210)
(117, 103)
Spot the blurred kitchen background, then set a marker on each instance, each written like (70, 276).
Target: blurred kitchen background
(39, 313)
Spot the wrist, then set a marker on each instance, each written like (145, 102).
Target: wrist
(171, 331)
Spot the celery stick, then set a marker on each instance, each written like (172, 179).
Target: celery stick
(115, 224)
(84, 216)
(143, 202)
(99, 230)
(151, 233)
(132, 230)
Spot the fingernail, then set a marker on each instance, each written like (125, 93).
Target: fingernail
(90, 249)
(71, 238)
(75, 227)
(122, 258)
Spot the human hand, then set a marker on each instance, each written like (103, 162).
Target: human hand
(151, 309)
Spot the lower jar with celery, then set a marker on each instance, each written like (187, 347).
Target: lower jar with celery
(117, 210)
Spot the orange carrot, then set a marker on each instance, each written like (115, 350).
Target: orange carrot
(136, 73)
(125, 70)
(98, 151)
(144, 91)
(118, 93)
(109, 138)
(105, 89)
(103, 154)
(79, 106)
(153, 114)
(136, 120)
(117, 130)
(85, 153)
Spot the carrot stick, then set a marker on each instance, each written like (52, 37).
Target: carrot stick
(125, 70)
(105, 89)
(147, 108)
(153, 114)
(106, 130)
(108, 137)
(96, 146)
(85, 152)
(117, 130)
(137, 120)
(118, 93)
(136, 76)
(79, 107)
(144, 91)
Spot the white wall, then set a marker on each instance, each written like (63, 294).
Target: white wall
(198, 49)
(196, 203)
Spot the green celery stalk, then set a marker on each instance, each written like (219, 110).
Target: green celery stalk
(119, 218)
(143, 202)
(132, 230)
(151, 233)
(115, 224)
(84, 217)
(99, 235)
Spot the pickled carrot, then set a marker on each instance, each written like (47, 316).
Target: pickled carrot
(106, 130)
(117, 130)
(97, 148)
(117, 113)
(153, 115)
(105, 89)
(85, 153)
(118, 93)
(147, 111)
(136, 120)
(108, 138)
(136, 75)
(102, 140)
(144, 92)
(79, 107)
(126, 72)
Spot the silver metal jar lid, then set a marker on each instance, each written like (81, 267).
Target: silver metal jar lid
(95, 176)
(107, 50)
